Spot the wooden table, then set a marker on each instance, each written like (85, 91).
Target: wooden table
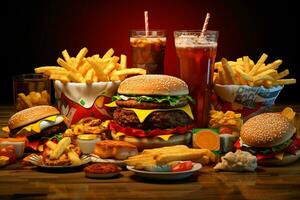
(267, 183)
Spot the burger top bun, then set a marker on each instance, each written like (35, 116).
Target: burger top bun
(153, 85)
(266, 130)
(31, 115)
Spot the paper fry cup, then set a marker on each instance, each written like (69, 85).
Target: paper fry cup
(253, 99)
(79, 100)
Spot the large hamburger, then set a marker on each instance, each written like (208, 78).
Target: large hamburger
(152, 111)
(271, 138)
(38, 124)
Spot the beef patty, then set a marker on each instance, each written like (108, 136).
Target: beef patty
(157, 119)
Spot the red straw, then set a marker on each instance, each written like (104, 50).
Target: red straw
(205, 23)
(146, 23)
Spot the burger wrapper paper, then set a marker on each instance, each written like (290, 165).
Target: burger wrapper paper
(80, 100)
(246, 100)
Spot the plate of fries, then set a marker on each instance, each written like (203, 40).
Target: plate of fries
(37, 160)
(60, 155)
(82, 69)
(165, 175)
(244, 71)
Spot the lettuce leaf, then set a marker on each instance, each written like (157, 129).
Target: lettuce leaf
(171, 100)
(271, 150)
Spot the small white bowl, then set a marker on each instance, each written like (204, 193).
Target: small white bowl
(19, 147)
(87, 142)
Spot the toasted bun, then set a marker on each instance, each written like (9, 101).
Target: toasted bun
(31, 115)
(155, 142)
(266, 130)
(153, 85)
(286, 160)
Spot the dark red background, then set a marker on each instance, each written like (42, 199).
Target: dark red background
(36, 32)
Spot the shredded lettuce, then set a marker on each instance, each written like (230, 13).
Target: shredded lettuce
(266, 151)
(171, 100)
(57, 136)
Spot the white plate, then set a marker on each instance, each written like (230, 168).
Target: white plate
(166, 175)
(38, 161)
(97, 159)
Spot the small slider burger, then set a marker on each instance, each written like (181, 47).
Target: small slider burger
(271, 138)
(152, 111)
(37, 124)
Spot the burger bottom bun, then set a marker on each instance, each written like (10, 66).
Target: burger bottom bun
(286, 160)
(156, 142)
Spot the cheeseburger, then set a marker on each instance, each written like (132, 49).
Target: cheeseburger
(38, 124)
(271, 138)
(152, 111)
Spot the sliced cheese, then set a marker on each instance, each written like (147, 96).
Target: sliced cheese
(279, 156)
(165, 137)
(105, 123)
(43, 124)
(143, 114)
(112, 104)
(119, 134)
(36, 127)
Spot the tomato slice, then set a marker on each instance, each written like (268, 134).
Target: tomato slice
(182, 166)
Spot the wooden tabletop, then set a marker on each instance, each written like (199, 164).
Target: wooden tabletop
(273, 183)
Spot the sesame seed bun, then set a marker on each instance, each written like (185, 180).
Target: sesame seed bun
(266, 130)
(31, 115)
(153, 85)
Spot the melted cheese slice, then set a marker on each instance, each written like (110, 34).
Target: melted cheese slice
(164, 137)
(279, 156)
(119, 134)
(43, 124)
(112, 104)
(143, 114)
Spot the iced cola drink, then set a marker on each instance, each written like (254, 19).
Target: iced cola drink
(148, 50)
(196, 53)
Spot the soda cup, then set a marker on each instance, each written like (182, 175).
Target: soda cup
(196, 52)
(148, 51)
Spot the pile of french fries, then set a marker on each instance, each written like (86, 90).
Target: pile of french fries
(228, 122)
(81, 69)
(164, 155)
(244, 71)
(62, 148)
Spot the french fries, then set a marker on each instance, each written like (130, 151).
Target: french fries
(244, 71)
(82, 69)
(60, 148)
(72, 155)
(161, 156)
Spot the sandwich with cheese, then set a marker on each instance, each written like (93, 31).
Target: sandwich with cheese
(152, 111)
(37, 124)
(271, 138)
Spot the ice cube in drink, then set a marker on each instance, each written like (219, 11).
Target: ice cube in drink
(148, 51)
